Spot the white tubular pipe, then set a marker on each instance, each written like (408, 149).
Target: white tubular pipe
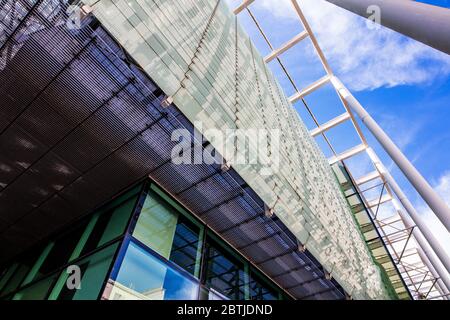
(423, 22)
(423, 228)
(437, 205)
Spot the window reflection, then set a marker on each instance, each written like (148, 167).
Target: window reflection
(167, 258)
(259, 290)
(17, 271)
(55, 254)
(144, 277)
(94, 270)
(224, 272)
(165, 230)
(108, 225)
(210, 294)
(36, 270)
(37, 291)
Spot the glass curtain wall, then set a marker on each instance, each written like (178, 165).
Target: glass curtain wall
(170, 255)
(89, 244)
(141, 246)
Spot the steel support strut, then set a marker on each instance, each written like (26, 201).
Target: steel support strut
(425, 232)
(439, 207)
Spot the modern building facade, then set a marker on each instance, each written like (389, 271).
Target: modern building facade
(93, 93)
(141, 246)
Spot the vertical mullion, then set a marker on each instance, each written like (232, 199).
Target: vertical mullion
(198, 258)
(246, 281)
(84, 237)
(32, 273)
(61, 280)
(121, 249)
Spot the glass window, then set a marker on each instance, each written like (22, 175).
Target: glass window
(144, 277)
(18, 271)
(210, 294)
(108, 225)
(118, 221)
(165, 230)
(6, 274)
(94, 271)
(56, 254)
(224, 272)
(37, 291)
(260, 290)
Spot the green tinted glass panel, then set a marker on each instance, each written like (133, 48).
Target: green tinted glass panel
(109, 222)
(37, 291)
(169, 233)
(94, 271)
(14, 281)
(156, 225)
(56, 254)
(19, 270)
(6, 275)
(118, 221)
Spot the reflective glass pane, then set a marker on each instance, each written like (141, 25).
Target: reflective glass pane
(18, 271)
(37, 291)
(165, 230)
(56, 254)
(210, 294)
(109, 225)
(118, 221)
(224, 272)
(94, 271)
(260, 290)
(144, 277)
(6, 274)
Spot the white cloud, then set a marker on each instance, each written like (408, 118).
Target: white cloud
(363, 57)
(401, 131)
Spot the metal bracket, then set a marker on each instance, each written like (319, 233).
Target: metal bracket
(167, 102)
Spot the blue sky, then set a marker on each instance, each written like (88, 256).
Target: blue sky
(403, 84)
(442, 3)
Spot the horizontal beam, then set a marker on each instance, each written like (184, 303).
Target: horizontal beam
(368, 177)
(274, 54)
(347, 154)
(330, 124)
(425, 237)
(312, 87)
(436, 204)
(314, 41)
(375, 202)
(394, 217)
(440, 296)
(243, 6)
(383, 223)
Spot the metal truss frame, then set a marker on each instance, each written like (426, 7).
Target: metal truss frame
(404, 233)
